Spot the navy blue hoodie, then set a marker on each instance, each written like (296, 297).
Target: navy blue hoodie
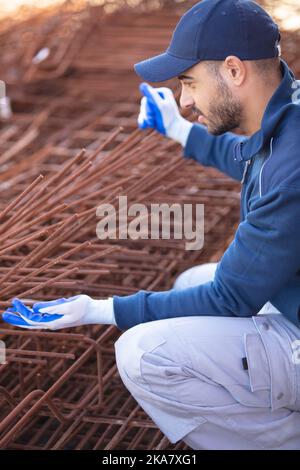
(263, 261)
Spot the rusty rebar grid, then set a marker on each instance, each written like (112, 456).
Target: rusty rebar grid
(62, 390)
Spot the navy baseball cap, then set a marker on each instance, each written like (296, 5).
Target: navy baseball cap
(213, 30)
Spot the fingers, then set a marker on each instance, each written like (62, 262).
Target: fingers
(33, 317)
(16, 320)
(38, 306)
(157, 96)
(152, 108)
(20, 308)
(24, 317)
(59, 306)
(142, 117)
(151, 94)
(167, 95)
(13, 317)
(146, 117)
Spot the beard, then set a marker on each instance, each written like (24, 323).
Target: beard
(225, 113)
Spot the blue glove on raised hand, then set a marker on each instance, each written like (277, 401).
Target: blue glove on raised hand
(159, 110)
(61, 313)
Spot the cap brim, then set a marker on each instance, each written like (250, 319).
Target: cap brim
(162, 67)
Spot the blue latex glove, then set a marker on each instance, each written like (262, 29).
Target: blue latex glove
(61, 313)
(159, 111)
(18, 315)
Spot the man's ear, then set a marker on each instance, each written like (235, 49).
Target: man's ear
(235, 70)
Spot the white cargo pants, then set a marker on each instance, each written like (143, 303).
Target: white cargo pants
(216, 382)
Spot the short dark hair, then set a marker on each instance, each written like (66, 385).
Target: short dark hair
(267, 68)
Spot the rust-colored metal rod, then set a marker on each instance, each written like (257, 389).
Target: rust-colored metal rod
(21, 196)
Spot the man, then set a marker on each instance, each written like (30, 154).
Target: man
(198, 358)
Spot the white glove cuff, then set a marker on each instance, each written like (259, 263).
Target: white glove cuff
(179, 130)
(100, 312)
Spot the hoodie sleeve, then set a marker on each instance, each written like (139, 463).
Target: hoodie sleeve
(261, 259)
(215, 151)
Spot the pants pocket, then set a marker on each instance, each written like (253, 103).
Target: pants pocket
(258, 391)
(258, 367)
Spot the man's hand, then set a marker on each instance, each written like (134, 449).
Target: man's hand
(159, 110)
(61, 313)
